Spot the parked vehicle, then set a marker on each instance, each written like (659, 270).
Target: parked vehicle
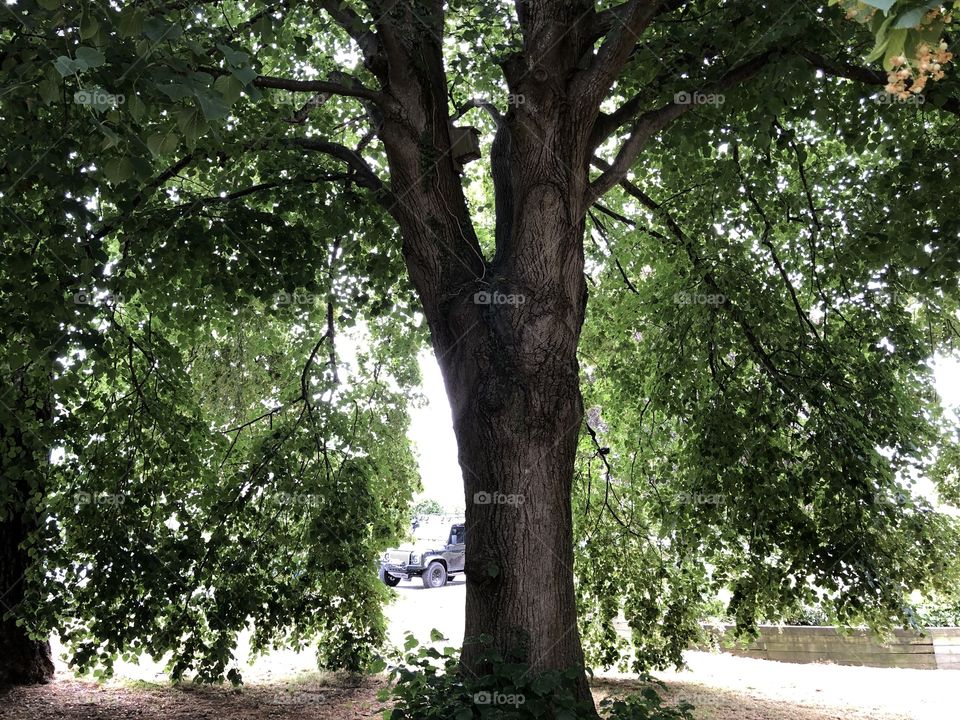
(436, 554)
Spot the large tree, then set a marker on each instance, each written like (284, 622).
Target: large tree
(759, 341)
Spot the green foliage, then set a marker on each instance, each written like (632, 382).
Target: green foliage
(207, 451)
(427, 506)
(218, 511)
(755, 357)
(428, 683)
(646, 705)
(899, 27)
(200, 466)
(939, 610)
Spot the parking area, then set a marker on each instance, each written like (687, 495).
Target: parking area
(419, 610)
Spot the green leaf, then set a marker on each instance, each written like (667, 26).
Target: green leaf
(191, 125)
(118, 170)
(881, 5)
(131, 22)
(88, 57)
(229, 88)
(89, 26)
(246, 75)
(176, 91)
(49, 91)
(161, 144)
(894, 48)
(157, 29)
(233, 57)
(212, 105)
(65, 65)
(913, 17)
(136, 107)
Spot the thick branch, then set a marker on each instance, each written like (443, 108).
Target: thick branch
(262, 187)
(319, 86)
(650, 123)
(628, 23)
(365, 176)
(479, 103)
(607, 20)
(142, 195)
(842, 69)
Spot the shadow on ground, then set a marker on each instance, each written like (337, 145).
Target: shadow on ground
(319, 696)
(312, 697)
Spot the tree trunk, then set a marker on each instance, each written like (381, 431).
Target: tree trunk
(22, 661)
(513, 383)
(517, 438)
(506, 341)
(505, 330)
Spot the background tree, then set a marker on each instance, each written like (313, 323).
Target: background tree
(659, 152)
(427, 506)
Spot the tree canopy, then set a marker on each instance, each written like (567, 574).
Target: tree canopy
(198, 234)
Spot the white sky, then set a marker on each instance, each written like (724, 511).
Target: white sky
(431, 430)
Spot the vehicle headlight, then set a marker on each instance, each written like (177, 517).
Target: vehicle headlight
(414, 559)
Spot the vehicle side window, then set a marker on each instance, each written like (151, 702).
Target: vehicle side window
(456, 536)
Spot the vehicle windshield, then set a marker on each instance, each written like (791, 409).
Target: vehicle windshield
(432, 532)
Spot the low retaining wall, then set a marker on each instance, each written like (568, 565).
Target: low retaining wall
(938, 648)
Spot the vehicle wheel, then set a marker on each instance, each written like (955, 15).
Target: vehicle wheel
(435, 575)
(388, 579)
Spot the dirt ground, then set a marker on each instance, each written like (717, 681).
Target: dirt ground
(316, 696)
(285, 686)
